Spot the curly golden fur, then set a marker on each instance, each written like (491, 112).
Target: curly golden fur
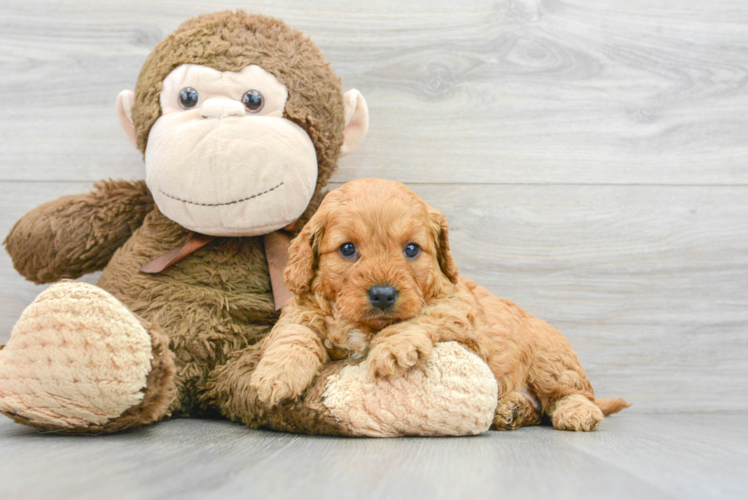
(333, 316)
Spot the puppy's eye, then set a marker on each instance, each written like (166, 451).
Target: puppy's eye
(253, 101)
(188, 97)
(348, 250)
(412, 250)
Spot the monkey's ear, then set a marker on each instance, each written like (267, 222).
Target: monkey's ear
(441, 236)
(356, 121)
(125, 101)
(302, 254)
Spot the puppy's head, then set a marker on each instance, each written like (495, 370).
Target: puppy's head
(375, 250)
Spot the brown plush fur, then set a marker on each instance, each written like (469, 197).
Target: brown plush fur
(230, 389)
(332, 317)
(217, 301)
(52, 242)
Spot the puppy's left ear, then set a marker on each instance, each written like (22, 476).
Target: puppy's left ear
(302, 255)
(440, 229)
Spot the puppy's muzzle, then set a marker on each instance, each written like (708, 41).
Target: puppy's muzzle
(382, 297)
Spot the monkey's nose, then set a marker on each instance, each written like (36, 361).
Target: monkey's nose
(221, 108)
(382, 297)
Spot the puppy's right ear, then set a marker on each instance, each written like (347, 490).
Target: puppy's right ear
(302, 256)
(441, 236)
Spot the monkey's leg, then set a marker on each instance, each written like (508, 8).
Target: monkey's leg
(78, 361)
(454, 395)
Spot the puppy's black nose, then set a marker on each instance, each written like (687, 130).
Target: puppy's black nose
(382, 297)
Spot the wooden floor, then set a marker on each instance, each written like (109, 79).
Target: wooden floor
(631, 456)
(592, 158)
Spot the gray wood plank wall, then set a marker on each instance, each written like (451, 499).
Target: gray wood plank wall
(592, 157)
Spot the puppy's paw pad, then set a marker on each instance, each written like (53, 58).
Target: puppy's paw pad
(514, 410)
(508, 416)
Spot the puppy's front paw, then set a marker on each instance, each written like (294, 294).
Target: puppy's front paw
(278, 380)
(397, 354)
(271, 388)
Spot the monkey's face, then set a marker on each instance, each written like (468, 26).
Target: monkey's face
(221, 160)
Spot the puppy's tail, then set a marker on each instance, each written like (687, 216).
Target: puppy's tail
(610, 406)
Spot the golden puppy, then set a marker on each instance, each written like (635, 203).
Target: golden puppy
(373, 276)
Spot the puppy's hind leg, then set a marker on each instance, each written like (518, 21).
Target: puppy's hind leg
(568, 399)
(575, 413)
(559, 381)
(514, 411)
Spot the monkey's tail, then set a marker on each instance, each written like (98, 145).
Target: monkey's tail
(610, 406)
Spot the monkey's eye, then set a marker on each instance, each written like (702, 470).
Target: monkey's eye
(348, 250)
(412, 250)
(188, 97)
(253, 101)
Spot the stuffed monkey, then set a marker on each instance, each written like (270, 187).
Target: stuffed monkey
(241, 122)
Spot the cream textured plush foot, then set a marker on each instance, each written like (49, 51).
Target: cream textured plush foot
(76, 357)
(456, 394)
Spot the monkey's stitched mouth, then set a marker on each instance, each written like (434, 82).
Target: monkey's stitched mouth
(221, 204)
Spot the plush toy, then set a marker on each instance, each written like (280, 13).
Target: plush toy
(241, 122)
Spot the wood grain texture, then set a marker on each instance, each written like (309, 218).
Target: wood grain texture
(478, 91)
(629, 457)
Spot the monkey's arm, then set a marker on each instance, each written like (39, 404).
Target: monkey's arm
(78, 234)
